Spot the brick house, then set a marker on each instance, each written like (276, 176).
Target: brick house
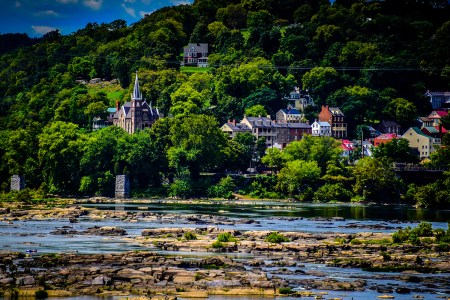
(336, 119)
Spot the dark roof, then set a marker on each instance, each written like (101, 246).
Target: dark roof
(239, 127)
(389, 124)
(335, 111)
(292, 111)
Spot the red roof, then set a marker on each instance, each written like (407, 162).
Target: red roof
(345, 147)
(440, 114)
(443, 129)
(387, 136)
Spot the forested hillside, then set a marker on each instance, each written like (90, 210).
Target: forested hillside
(373, 59)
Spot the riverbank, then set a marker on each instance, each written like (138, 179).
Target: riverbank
(211, 255)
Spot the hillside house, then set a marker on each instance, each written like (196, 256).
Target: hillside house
(384, 138)
(424, 122)
(136, 114)
(423, 144)
(275, 134)
(320, 129)
(196, 54)
(299, 99)
(347, 148)
(437, 115)
(335, 117)
(99, 122)
(289, 115)
(389, 127)
(232, 128)
(439, 99)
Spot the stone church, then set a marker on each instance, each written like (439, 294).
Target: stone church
(136, 114)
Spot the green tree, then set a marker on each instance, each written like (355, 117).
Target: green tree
(255, 111)
(376, 180)
(322, 150)
(401, 110)
(197, 142)
(59, 156)
(273, 159)
(397, 150)
(320, 82)
(297, 175)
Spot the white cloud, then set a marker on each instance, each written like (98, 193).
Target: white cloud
(42, 29)
(180, 2)
(130, 1)
(47, 13)
(67, 1)
(93, 4)
(146, 1)
(143, 13)
(131, 11)
(18, 4)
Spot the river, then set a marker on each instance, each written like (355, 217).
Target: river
(273, 216)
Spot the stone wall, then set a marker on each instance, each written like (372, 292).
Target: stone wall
(122, 186)
(17, 183)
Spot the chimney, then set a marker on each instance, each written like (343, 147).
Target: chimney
(234, 122)
(117, 105)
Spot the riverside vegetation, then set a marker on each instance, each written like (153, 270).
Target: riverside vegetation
(373, 59)
(402, 256)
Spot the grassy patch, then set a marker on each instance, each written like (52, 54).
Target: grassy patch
(190, 69)
(275, 237)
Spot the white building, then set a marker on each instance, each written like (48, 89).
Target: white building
(321, 129)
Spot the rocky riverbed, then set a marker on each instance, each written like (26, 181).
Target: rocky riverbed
(246, 264)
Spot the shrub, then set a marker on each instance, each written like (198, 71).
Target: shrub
(285, 290)
(217, 245)
(424, 229)
(188, 236)
(224, 189)
(401, 235)
(276, 238)
(181, 188)
(332, 192)
(24, 196)
(225, 237)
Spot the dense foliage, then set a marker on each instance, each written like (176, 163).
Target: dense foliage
(373, 59)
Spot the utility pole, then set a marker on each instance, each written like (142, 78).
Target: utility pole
(362, 139)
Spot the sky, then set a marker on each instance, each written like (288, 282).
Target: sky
(37, 17)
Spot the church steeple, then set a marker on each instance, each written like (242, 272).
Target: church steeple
(136, 92)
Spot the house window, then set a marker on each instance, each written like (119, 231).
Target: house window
(417, 140)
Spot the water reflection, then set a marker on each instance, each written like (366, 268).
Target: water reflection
(241, 209)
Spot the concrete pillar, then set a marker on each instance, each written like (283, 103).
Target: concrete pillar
(122, 186)
(17, 183)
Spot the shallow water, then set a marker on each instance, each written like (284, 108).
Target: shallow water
(279, 216)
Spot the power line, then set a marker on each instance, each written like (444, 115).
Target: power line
(237, 64)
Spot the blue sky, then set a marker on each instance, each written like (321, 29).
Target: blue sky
(37, 17)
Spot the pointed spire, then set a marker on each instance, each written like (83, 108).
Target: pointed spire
(136, 92)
